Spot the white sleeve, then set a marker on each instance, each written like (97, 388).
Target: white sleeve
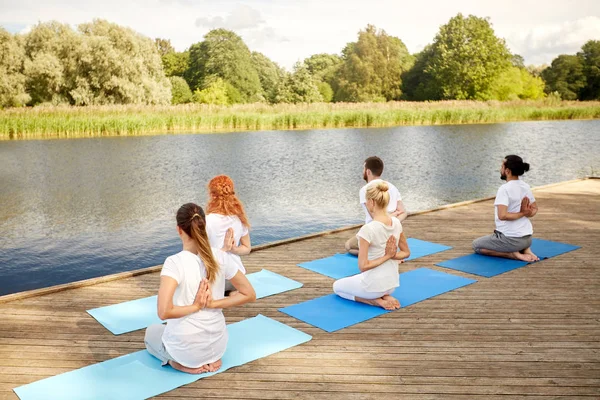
(362, 195)
(398, 196)
(501, 197)
(171, 269)
(365, 233)
(397, 227)
(245, 230)
(530, 195)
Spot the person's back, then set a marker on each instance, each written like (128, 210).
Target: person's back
(200, 338)
(190, 298)
(384, 276)
(512, 194)
(217, 226)
(513, 206)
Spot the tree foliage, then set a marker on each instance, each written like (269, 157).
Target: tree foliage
(12, 80)
(565, 76)
(590, 56)
(214, 93)
(224, 54)
(269, 74)
(372, 67)
(180, 91)
(299, 87)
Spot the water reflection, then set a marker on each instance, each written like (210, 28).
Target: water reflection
(74, 209)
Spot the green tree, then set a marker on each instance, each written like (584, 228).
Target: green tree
(372, 68)
(164, 46)
(224, 54)
(464, 60)
(12, 80)
(326, 91)
(565, 76)
(515, 83)
(215, 93)
(418, 83)
(269, 74)
(590, 56)
(176, 64)
(299, 87)
(51, 63)
(324, 66)
(180, 91)
(119, 66)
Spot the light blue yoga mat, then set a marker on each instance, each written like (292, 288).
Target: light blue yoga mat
(141, 313)
(140, 376)
(332, 313)
(343, 265)
(487, 266)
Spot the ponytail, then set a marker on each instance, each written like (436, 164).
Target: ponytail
(191, 219)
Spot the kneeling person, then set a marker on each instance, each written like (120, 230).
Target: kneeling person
(514, 205)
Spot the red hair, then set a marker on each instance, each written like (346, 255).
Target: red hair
(223, 199)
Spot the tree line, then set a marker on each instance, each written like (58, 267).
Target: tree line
(104, 63)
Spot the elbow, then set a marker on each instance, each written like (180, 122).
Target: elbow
(162, 314)
(407, 254)
(362, 267)
(252, 296)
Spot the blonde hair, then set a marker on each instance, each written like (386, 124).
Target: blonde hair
(379, 194)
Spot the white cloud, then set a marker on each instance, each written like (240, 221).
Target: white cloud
(242, 17)
(541, 44)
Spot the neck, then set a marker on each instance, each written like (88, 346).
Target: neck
(512, 178)
(190, 245)
(372, 178)
(379, 214)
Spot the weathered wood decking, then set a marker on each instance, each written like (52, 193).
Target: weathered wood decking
(533, 332)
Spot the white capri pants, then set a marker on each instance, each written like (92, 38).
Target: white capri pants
(351, 287)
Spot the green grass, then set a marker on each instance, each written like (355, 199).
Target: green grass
(63, 122)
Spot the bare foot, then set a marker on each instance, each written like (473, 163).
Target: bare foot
(385, 304)
(393, 300)
(213, 367)
(518, 256)
(200, 370)
(531, 255)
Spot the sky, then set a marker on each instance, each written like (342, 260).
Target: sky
(288, 31)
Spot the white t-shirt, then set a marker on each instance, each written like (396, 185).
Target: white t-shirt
(392, 205)
(201, 337)
(385, 276)
(216, 228)
(511, 194)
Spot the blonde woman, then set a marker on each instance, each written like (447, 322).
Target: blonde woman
(378, 242)
(190, 298)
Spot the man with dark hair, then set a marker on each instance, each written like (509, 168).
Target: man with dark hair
(514, 205)
(372, 171)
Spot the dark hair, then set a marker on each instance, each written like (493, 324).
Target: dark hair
(516, 165)
(375, 165)
(191, 218)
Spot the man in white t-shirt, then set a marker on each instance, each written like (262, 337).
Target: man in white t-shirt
(514, 205)
(372, 170)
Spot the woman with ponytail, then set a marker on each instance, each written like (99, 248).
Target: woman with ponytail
(514, 205)
(378, 254)
(225, 213)
(190, 299)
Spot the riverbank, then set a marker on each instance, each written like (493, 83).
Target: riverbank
(71, 122)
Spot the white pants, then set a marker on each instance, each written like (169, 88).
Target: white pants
(154, 344)
(351, 287)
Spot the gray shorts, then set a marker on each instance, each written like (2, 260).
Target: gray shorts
(502, 244)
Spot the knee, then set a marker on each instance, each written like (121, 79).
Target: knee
(153, 333)
(336, 287)
(476, 246)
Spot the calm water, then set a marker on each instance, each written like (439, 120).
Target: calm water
(76, 209)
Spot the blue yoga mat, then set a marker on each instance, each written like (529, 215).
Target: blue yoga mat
(343, 265)
(487, 266)
(140, 376)
(332, 313)
(141, 313)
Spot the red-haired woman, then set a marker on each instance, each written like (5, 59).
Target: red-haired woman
(226, 212)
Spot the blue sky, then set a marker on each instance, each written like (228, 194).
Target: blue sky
(289, 30)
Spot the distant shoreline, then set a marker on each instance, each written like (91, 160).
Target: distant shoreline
(105, 121)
